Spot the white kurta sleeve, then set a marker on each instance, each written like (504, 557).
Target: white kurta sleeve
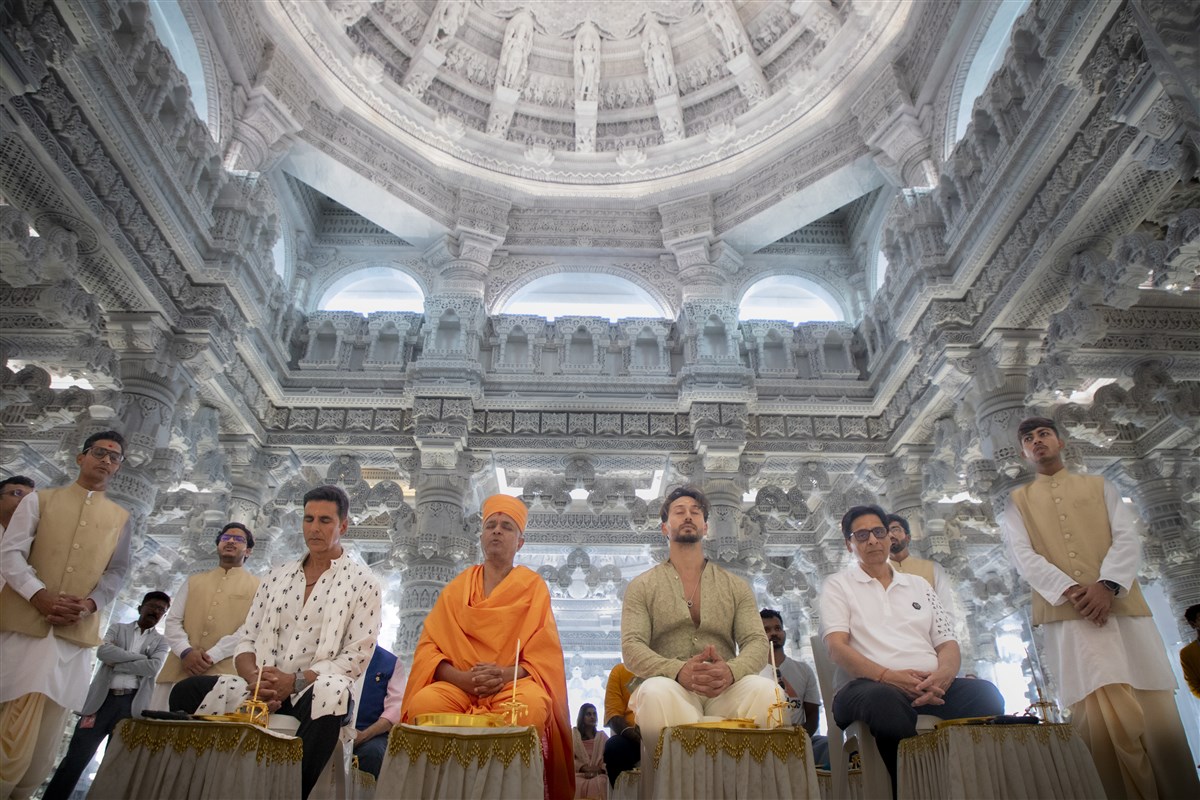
(175, 635)
(1046, 579)
(14, 548)
(1120, 563)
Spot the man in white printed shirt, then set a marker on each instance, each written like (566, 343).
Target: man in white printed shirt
(893, 644)
(310, 633)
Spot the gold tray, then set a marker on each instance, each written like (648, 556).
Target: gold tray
(460, 720)
(950, 723)
(222, 718)
(723, 723)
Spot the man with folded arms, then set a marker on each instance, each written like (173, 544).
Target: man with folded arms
(1076, 543)
(463, 663)
(209, 609)
(64, 557)
(310, 633)
(893, 644)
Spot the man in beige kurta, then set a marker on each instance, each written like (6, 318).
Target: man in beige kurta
(209, 609)
(64, 557)
(1074, 539)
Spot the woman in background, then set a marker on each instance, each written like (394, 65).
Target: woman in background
(591, 781)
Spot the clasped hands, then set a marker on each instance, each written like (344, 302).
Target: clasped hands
(274, 685)
(705, 673)
(923, 688)
(62, 609)
(484, 679)
(197, 661)
(1093, 602)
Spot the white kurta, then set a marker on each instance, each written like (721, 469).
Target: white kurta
(177, 637)
(1081, 656)
(333, 634)
(59, 669)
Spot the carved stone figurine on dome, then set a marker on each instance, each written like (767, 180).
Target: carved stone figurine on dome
(660, 66)
(451, 14)
(514, 54)
(587, 63)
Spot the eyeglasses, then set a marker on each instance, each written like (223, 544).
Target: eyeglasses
(104, 454)
(15, 492)
(867, 533)
(232, 537)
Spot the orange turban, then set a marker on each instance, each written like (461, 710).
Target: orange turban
(506, 504)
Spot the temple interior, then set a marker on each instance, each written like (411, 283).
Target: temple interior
(803, 255)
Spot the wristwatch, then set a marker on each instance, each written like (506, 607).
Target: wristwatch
(1112, 586)
(301, 682)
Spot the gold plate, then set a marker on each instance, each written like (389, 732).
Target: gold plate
(460, 720)
(723, 723)
(221, 718)
(950, 723)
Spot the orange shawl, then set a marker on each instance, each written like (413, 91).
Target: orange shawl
(466, 628)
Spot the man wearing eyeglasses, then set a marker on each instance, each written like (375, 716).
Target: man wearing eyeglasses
(893, 644)
(64, 556)
(209, 609)
(12, 489)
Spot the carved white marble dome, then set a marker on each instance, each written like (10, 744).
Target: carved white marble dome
(604, 93)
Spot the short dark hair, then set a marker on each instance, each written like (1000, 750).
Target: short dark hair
(684, 491)
(112, 436)
(897, 518)
(156, 595)
(240, 526)
(1191, 614)
(18, 480)
(331, 494)
(770, 613)
(861, 511)
(1031, 424)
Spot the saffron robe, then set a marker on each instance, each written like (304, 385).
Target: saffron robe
(465, 628)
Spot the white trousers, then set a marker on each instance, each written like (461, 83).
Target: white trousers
(661, 702)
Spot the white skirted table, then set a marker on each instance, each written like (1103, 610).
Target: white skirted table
(726, 763)
(198, 761)
(468, 763)
(997, 761)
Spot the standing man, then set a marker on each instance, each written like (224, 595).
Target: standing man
(63, 558)
(903, 560)
(209, 609)
(308, 636)
(692, 632)
(893, 644)
(12, 489)
(463, 663)
(132, 654)
(798, 682)
(623, 749)
(1074, 540)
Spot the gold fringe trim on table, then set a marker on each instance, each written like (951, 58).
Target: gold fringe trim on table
(1021, 733)
(222, 737)
(783, 742)
(439, 746)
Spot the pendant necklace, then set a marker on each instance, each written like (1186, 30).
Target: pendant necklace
(689, 600)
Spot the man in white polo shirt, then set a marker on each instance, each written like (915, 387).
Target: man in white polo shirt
(893, 644)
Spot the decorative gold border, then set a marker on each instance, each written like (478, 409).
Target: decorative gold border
(783, 742)
(440, 746)
(223, 737)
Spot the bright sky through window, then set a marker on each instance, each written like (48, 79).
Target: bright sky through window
(374, 289)
(787, 298)
(583, 295)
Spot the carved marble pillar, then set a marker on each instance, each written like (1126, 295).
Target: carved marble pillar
(1161, 488)
(892, 129)
(1000, 386)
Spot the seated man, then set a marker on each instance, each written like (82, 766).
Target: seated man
(692, 632)
(309, 635)
(799, 685)
(132, 654)
(623, 749)
(463, 663)
(893, 644)
(378, 709)
(202, 626)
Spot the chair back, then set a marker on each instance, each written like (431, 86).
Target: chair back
(839, 769)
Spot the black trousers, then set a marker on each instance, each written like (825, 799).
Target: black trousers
(84, 743)
(891, 717)
(319, 736)
(620, 754)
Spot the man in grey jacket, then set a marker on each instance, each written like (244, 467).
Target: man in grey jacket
(130, 658)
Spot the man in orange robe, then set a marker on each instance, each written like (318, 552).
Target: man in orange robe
(464, 660)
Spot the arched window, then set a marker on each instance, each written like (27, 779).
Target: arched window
(987, 58)
(790, 298)
(173, 31)
(583, 294)
(373, 289)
